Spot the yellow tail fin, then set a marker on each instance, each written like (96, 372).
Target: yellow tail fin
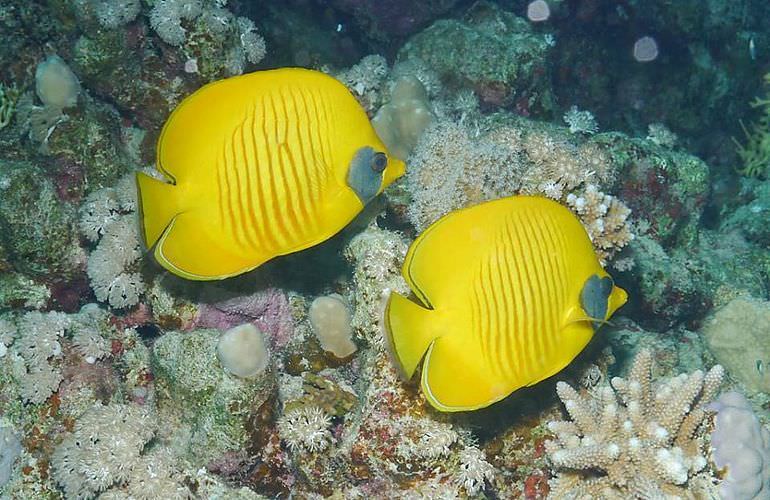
(410, 330)
(158, 205)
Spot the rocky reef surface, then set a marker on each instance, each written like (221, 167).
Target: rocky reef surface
(119, 380)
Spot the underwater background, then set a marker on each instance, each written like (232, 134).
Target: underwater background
(648, 119)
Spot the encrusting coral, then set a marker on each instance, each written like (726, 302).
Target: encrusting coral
(639, 440)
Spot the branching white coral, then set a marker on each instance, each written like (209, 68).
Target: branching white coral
(102, 450)
(110, 266)
(306, 428)
(661, 135)
(365, 77)
(636, 441)
(113, 265)
(558, 167)
(252, 43)
(38, 345)
(376, 255)
(474, 470)
(580, 122)
(166, 18)
(171, 20)
(450, 169)
(89, 329)
(154, 477)
(423, 438)
(8, 333)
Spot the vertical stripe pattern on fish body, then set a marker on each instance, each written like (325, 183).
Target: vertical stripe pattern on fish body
(502, 288)
(258, 166)
(270, 156)
(518, 296)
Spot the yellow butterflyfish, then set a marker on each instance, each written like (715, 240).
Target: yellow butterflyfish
(508, 293)
(257, 166)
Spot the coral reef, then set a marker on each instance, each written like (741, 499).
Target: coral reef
(213, 406)
(634, 439)
(755, 154)
(108, 217)
(93, 458)
(741, 446)
(121, 381)
(217, 42)
(738, 335)
(451, 169)
(580, 122)
(37, 228)
(8, 98)
(494, 52)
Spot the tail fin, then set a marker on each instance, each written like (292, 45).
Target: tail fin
(158, 205)
(410, 331)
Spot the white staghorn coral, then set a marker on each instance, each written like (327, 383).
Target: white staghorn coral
(636, 441)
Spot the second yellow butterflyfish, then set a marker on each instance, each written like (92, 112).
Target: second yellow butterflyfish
(257, 166)
(508, 293)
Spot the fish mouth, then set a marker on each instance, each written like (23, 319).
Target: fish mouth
(396, 169)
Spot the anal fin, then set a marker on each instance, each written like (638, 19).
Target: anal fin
(192, 250)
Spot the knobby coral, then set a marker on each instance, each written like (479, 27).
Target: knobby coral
(605, 218)
(637, 441)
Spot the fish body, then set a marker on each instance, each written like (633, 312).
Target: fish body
(257, 166)
(508, 292)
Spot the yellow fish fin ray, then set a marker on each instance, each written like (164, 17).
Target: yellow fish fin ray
(410, 329)
(159, 203)
(452, 381)
(198, 251)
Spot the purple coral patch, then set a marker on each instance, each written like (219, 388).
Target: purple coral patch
(267, 309)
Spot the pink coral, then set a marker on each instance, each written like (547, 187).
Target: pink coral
(267, 309)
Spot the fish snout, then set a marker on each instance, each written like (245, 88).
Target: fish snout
(396, 168)
(618, 298)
